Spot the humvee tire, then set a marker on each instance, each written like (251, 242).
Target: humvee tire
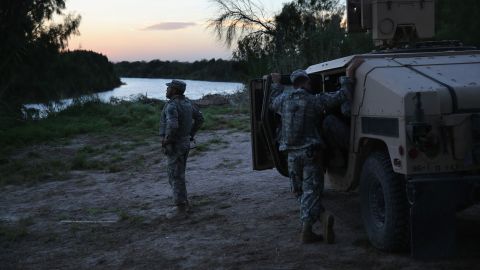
(384, 204)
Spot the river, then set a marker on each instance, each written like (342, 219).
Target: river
(152, 88)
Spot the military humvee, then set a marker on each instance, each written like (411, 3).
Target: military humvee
(414, 153)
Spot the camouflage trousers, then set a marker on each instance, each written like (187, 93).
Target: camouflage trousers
(307, 182)
(177, 154)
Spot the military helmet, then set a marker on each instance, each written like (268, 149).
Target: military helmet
(297, 74)
(179, 85)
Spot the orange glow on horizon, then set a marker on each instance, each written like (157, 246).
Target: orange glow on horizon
(136, 30)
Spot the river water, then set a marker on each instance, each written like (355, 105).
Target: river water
(152, 88)
(155, 88)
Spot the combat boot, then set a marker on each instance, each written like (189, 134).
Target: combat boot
(179, 211)
(308, 236)
(328, 221)
(184, 208)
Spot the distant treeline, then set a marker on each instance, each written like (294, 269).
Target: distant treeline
(70, 74)
(207, 70)
(82, 72)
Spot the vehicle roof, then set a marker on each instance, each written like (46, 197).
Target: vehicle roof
(330, 65)
(343, 62)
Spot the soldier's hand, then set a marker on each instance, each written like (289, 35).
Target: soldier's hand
(357, 62)
(276, 77)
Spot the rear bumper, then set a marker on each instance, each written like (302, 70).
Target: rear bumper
(434, 201)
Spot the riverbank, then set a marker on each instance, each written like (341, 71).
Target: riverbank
(88, 188)
(126, 124)
(120, 218)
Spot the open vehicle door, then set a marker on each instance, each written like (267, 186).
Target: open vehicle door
(261, 156)
(264, 125)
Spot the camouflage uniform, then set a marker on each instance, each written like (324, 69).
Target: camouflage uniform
(300, 137)
(179, 122)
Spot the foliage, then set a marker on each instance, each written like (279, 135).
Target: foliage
(81, 72)
(226, 117)
(30, 40)
(33, 63)
(306, 32)
(457, 20)
(301, 34)
(69, 74)
(85, 117)
(117, 128)
(239, 17)
(140, 116)
(211, 70)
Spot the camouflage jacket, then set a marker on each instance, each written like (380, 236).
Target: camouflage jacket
(180, 119)
(301, 114)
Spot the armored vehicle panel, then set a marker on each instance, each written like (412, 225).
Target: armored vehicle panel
(415, 119)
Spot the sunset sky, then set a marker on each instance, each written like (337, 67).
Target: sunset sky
(150, 29)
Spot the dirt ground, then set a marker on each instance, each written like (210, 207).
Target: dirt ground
(241, 219)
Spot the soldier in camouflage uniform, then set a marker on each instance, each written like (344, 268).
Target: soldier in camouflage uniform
(300, 111)
(179, 122)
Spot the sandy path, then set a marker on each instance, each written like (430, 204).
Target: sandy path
(242, 220)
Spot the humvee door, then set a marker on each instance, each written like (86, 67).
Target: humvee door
(261, 156)
(264, 124)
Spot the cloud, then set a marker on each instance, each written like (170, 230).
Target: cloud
(166, 26)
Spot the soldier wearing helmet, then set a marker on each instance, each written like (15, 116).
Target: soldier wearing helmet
(180, 120)
(300, 137)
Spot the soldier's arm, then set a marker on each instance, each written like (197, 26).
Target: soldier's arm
(275, 96)
(171, 116)
(198, 120)
(346, 108)
(276, 93)
(328, 101)
(163, 124)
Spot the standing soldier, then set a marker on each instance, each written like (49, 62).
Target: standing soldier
(301, 111)
(179, 122)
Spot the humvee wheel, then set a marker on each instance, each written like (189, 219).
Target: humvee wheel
(384, 204)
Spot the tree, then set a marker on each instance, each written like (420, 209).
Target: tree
(240, 18)
(457, 20)
(306, 32)
(31, 39)
(302, 33)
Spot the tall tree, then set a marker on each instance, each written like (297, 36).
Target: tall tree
(302, 33)
(31, 39)
(240, 18)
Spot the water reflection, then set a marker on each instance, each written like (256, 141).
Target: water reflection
(152, 88)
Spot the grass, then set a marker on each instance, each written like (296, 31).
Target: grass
(17, 231)
(81, 161)
(89, 117)
(19, 172)
(134, 122)
(132, 219)
(226, 117)
(130, 118)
